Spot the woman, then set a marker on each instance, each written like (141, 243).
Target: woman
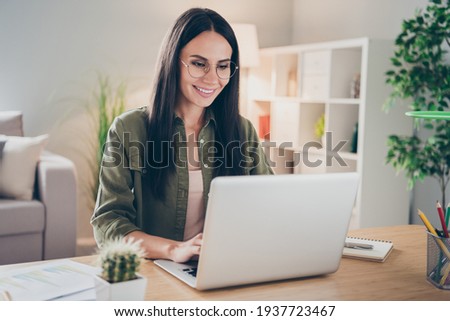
(159, 163)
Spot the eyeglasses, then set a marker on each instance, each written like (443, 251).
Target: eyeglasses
(199, 68)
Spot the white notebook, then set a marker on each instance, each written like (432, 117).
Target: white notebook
(379, 252)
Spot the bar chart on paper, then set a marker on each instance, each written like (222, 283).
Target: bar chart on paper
(56, 280)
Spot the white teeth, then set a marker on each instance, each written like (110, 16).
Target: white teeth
(205, 90)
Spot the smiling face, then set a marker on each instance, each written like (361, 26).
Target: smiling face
(211, 48)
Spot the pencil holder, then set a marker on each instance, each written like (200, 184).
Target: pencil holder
(438, 261)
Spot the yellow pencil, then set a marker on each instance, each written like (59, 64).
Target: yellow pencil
(432, 230)
(427, 223)
(445, 275)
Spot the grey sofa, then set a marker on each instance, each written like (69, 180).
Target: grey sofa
(45, 227)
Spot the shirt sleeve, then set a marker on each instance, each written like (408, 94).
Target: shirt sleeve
(114, 214)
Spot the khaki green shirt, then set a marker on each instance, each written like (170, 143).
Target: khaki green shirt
(125, 202)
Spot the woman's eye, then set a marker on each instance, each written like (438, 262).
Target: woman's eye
(198, 64)
(223, 66)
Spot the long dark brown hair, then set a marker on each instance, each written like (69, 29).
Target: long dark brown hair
(225, 107)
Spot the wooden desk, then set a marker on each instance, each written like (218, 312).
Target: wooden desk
(401, 277)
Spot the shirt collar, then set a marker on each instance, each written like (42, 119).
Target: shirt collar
(209, 116)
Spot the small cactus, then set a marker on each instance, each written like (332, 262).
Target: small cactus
(120, 259)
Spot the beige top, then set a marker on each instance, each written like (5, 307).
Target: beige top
(195, 214)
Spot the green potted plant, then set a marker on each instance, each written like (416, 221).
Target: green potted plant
(421, 75)
(109, 103)
(119, 260)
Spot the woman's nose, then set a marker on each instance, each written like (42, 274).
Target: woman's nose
(211, 76)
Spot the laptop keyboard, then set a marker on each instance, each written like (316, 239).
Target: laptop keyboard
(191, 271)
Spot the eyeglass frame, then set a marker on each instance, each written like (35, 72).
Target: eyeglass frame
(207, 68)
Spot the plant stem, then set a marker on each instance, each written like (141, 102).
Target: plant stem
(443, 185)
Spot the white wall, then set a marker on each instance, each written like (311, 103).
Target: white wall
(324, 20)
(52, 49)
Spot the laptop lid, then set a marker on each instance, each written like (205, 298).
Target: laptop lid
(271, 227)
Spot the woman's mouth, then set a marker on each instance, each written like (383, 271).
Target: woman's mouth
(204, 92)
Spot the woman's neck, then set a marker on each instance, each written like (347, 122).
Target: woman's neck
(193, 119)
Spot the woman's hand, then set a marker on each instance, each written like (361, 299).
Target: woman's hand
(161, 248)
(184, 251)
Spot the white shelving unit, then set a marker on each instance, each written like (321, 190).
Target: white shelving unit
(295, 85)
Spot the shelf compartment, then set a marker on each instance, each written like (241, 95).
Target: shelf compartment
(315, 87)
(316, 62)
(286, 75)
(345, 65)
(285, 123)
(342, 119)
(309, 115)
(315, 70)
(258, 115)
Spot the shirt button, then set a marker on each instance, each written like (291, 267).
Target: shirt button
(205, 165)
(202, 141)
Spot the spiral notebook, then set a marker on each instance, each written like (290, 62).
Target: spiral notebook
(379, 252)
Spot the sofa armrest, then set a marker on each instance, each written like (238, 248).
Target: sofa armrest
(56, 183)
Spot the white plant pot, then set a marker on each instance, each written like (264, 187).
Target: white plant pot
(133, 290)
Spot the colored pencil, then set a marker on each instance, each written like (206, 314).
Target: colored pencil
(447, 214)
(442, 219)
(445, 275)
(432, 230)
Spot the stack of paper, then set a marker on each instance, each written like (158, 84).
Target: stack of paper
(54, 280)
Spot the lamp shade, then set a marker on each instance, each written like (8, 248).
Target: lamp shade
(247, 38)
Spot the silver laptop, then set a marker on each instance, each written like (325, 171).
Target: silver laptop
(270, 227)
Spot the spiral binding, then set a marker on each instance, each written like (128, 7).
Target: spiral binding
(367, 239)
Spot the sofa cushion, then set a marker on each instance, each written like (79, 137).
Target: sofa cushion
(11, 123)
(21, 217)
(20, 156)
(21, 248)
